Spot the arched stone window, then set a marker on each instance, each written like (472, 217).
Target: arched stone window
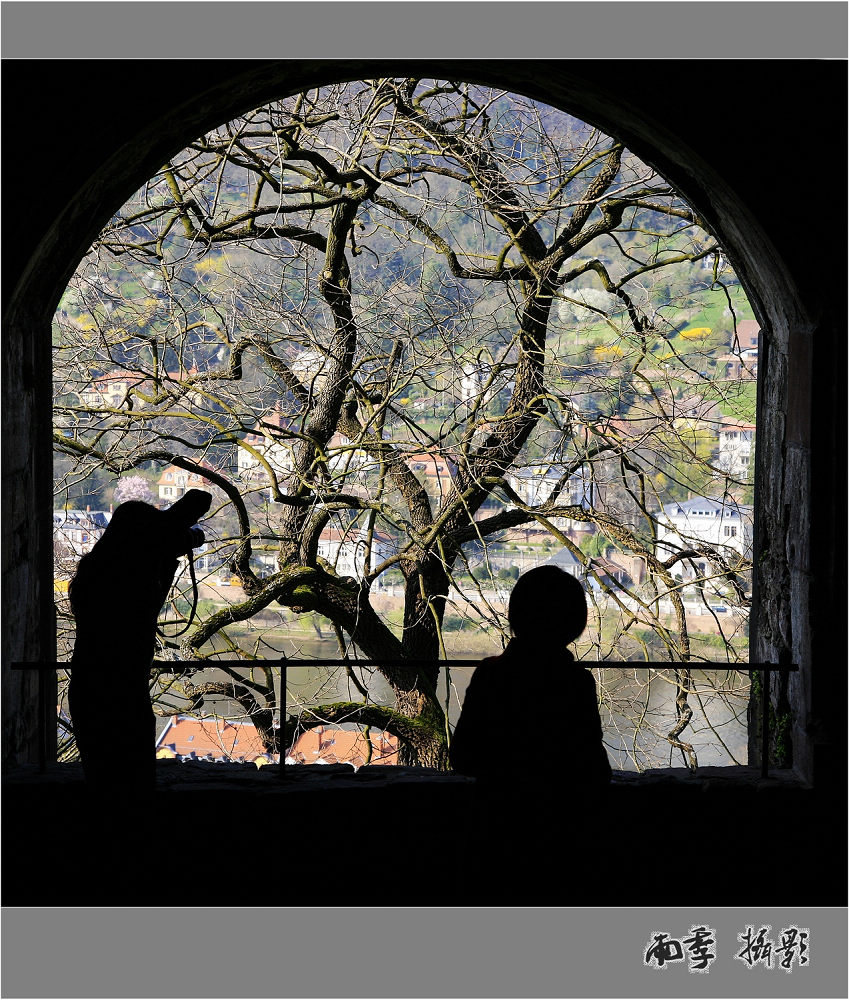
(235, 333)
(798, 519)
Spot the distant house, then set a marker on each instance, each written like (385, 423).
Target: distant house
(609, 572)
(742, 365)
(534, 486)
(113, 389)
(714, 260)
(345, 549)
(471, 382)
(617, 428)
(722, 524)
(742, 360)
(736, 444)
(274, 439)
(311, 366)
(237, 741)
(691, 411)
(658, 411)
(748, 336)
(473, 378)
(76, 531)
(565, 560)
(435, 469)
(174, 482)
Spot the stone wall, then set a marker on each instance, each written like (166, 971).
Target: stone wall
(229, 835)
(794, 276)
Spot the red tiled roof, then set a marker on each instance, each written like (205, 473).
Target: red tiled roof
(223, 738)
(338, 746)
(230, 739)
(192, 478)
(748, 329)
(333, 533)
(276, 418)
(110, 377)
(435, 464)
(139, 377)
(730, 424)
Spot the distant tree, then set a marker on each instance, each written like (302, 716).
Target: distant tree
(132, 488)
(347, 280)
(596, 545)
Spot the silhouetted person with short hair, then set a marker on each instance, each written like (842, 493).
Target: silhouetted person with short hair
(547, 611)
(530, 732)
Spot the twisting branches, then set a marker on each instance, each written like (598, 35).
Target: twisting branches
(397, 327)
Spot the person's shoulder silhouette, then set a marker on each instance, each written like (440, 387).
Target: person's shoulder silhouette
(534, 704)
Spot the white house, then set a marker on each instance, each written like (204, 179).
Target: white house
(311, 366)
(275, 438)
(435, 471)
(174, 482)
(472, 379)
(345, 549)
(736, 443)
(78, 530)
(112, 388)
(534, 485)
(722, 524)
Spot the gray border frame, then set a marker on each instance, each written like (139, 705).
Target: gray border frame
(485, 29)
(295, 951)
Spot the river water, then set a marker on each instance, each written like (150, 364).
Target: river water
(638, 705)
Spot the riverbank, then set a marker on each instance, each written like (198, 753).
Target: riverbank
(469, 633)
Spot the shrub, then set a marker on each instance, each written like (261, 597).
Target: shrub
(453, 623)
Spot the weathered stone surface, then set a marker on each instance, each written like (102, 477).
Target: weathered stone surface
(340, 834)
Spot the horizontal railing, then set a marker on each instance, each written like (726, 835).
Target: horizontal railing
(183, 666)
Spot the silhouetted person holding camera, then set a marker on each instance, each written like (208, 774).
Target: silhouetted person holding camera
(116, 595)
(530, 732)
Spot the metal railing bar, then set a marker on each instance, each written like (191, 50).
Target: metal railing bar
(308, 662)
(183, 666)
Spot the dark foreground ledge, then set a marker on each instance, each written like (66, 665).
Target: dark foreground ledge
(180, 776)
(238, 835)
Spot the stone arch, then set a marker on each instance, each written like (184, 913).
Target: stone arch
(714, 164)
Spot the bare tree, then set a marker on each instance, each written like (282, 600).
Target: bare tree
(393, 323)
